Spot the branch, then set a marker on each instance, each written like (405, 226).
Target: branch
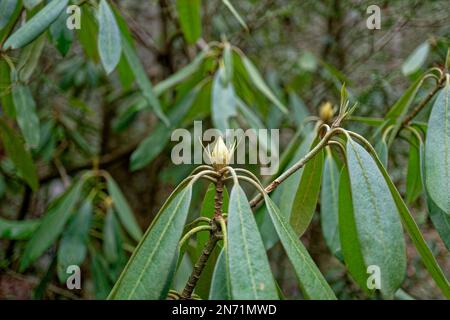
(300, 164)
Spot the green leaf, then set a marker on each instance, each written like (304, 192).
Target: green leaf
(87, 34)
(30, 4)
(414, 176)
(383, 151)
(6, 99)
(11, 22)
(109, 41)
(416, 236)
(112, 243)
(61, 36)
(305, 200)
(403, 103)
(189, 14)
(100, 271)
(158, 139)
(437, 152)
(235, 14)
(311, 281)
(19, 155)
(36, 25)
(73, 246)
(250, 274)
(149, 268)
(228, 62)
(378, 226)
(299, 109)
(18, 230)
(351, 248)
(123, 210)
(52, 224)
(440, 219)
(416, 59)
(29, 58)
(181, 75)
(220, 282)
(329, 204)
(259, 83)
(223, 101)
(7, 9)
(142, 79)
(26, 114)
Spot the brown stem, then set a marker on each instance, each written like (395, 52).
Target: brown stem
(423, 103)
(218, 199)
(199, 266)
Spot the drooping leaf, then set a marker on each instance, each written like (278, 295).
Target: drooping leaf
(414, 176)
(416, 236)
(18, 230)
(305, 200)
(7, 8)
(416, 59)
(88, 34)
(30, 4)
(376, 217)
(299, 109)
(158, 139)
(259, 83)
(29, 58)
(36, 25)
(142, 79)
(102, 285)
(147, 273)
(52, 224)
(73, 246)
(223, 103)
(109, 41)
(311, 281)
(250, 274)
(6, 99)
(220, 282)
(329, 204)
(189, 15)
(61, 36)
(383, 151)
(124, 212)
(228, 63)
(19, 155)
(112, 244)
(11, 21)
(235, 13)
(437, 152)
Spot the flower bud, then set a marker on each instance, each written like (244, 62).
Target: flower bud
(220, 155)
(326, 112)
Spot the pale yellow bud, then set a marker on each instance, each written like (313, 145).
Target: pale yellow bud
(326, 112)
(220, 155)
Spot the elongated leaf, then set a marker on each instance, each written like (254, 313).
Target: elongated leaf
(148, 270)
(36, 25)
(383, 151)
(29, 58)
(377, 223)
(228, 62)
(220, 283)
(7, 8)
(437, 152)
(30, 4)
(142, 79)
(189, 14)
(416, 59)
(52, 225)
(305, 200)
(18, 230)
(259, 83)
(299, 109)
(414, 176)
(6, 99)
(10, 23)
(223, 103)
(61, 36)
(73, 247)
(19, 155)
(88, 34)
(124, 212)
(102, 285)
(181, 74)
(403, 103)
(416, 236)
(112, 244)
(311, 281)
(329, 204)
(235, 14)
(250, 274)
(109, 41)
(158, 139)
(440, 219)
(351, 248)
(26, 114)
